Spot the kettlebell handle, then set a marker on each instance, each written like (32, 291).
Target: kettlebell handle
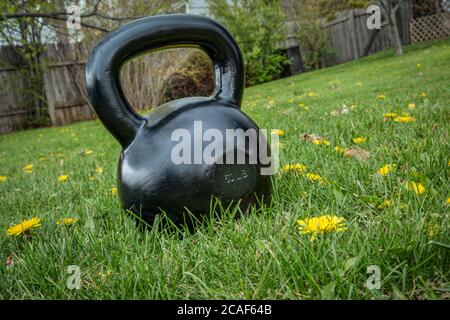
(157, 32)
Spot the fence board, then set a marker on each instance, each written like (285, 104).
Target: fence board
(13, 107)
(64, 83)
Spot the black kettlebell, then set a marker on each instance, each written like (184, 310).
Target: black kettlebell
(149, 181)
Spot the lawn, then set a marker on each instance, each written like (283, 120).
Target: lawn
(396, 219)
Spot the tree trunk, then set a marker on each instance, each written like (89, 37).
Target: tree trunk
(294, 51)
(391, 16)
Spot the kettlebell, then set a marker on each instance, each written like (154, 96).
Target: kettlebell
(150, 182)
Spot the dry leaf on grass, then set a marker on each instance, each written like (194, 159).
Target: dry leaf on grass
(311, 137)
(9, 261)
(357, 153)
(342, 110)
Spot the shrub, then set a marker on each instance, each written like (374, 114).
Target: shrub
(193, 77)
(309, 16)
(153, 79)
(258, 27)
(315, 42)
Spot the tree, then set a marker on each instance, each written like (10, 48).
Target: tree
(328, 8)
(259, 28)
(390, 8)
(311, 35)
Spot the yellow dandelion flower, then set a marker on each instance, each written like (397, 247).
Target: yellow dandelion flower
(99, 170)
(278, 132)
(321, 141)
(386, 169)
(91, 178)
(113, 191)
(381, 97)
(105, 275)
(417, 187)
(405, 119)
(403, 206)
(28, 168)
(303, 106)
(3, 178)
(423, 95)
(430, 231)
(314, 177)
(448, 201)
(321, 225)
(63, 178)
(390, 115)
(312, 94)
(353, 106)
(418, 65)
(359, 140)
(386, 203)
(88, 152)
(411, 106)
(339, 149)
(300, 168)
(67, 221)
(23, 226)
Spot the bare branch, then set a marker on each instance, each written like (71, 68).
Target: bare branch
(96, 6)
(397, 6)
(101, 15)
(54, 16)
(383, 5)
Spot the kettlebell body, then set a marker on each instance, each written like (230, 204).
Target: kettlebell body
(151, 179)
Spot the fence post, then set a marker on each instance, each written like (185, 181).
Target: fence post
(48, 98)
(354, 35)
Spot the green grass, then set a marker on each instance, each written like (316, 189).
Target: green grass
(262, 255)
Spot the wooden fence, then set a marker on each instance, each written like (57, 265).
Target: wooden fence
(350, 37)
(12, 102)
(63, 86)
